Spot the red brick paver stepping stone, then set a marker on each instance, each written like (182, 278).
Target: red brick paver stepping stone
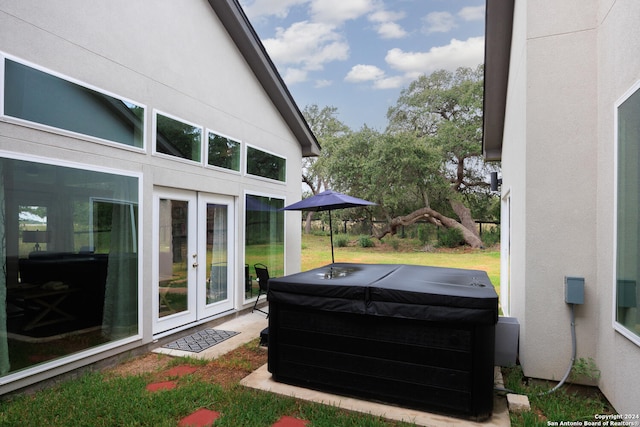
(201, 418)
(287, 421)
(181, 370)
(164, 385)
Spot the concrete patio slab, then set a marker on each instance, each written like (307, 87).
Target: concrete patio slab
(261, 380)
(251, 324)
(248, 325)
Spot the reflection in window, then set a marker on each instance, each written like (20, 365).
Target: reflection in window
(69, 261)
(33, 229)
(223, 152)
(264, 236)
(266, 165)
(177, 138)
(42, 98)
(628, 215)
(173, 233)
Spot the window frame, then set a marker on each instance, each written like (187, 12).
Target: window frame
(154, 132)
(219, 168)
(617, 326)
(61, 131)
(71, 359)
(246, 164)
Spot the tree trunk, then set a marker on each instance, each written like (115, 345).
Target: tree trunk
(307, 223)
(433, 217)
(464, 213)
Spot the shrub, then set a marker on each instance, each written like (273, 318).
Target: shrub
(365, 242)
(450, 238)
(423, 234)
(395, 243)
(491, 237)
(341, 241)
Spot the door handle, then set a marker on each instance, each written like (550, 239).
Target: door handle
(194, 265)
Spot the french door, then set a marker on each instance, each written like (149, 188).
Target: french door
(193, 257)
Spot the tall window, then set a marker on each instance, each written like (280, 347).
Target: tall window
(69, 265)
(264, 235)
(39, 97)
(260, 163)
(627, 314)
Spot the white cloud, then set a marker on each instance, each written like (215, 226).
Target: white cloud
(363, 73)
(385, 24)
(263, 8)
(308, 45)
(338, 11)
(458, 53)
(439, 22)
(385, 16)
(394, 82)
(472, 13)
(322, 83)
(370, 73)
(391, 30)
(294, 75)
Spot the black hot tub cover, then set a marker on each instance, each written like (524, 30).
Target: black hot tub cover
(392, 290)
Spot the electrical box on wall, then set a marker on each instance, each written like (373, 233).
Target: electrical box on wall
(574, 290)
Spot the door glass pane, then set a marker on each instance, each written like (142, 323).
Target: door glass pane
(173, 256)
(217, 253)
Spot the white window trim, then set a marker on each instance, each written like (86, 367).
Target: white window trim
(262, 178)
(206, 152)
(64, 132)
(187, 122)
(74, 357)
(624, 331)
(505, 239)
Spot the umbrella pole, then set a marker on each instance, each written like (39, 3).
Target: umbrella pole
(331, 236)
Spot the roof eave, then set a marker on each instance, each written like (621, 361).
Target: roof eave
(244, 36)
(497, 55)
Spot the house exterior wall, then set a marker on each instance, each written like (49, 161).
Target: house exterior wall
(570, 62)
(171, 57)
(618, 70)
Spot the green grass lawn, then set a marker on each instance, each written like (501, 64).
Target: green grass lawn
(97, 399)
(316, 252)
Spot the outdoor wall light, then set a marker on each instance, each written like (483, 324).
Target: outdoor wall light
(495, 181)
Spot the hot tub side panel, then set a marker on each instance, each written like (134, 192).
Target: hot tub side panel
(437, 366)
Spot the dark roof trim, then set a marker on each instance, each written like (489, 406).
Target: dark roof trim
(497, 54)
(241, 31)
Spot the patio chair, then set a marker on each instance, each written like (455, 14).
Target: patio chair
(262, 274)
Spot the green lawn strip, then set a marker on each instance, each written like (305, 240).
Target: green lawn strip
(565, 404)
(95, 399)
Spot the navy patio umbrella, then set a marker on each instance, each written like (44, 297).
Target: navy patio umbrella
(328, 201)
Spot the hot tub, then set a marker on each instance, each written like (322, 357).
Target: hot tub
(420, 337)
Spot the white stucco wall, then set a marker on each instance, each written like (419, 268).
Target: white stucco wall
(570, 62)
(618, 70)
(170, 56)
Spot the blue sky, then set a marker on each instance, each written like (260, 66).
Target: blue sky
(357, 55)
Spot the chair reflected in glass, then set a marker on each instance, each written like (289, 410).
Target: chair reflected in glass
(248, 282)
(262, 275)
